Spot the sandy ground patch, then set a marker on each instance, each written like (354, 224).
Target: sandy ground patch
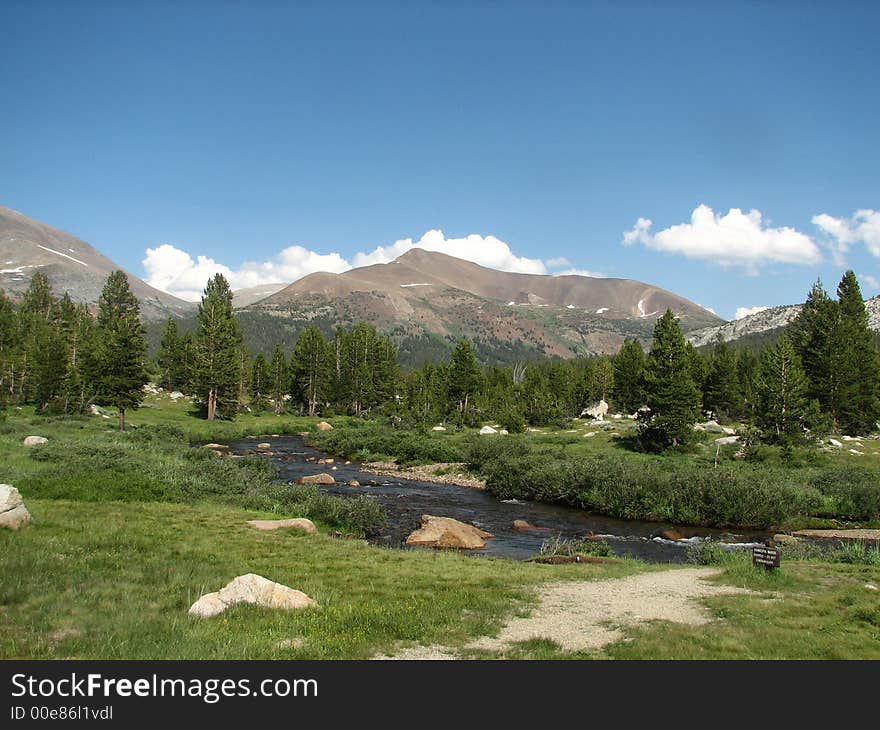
(589, 615)
(426, 473)
(584, 616)
(421, 653)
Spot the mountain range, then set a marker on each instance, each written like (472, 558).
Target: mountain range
(425, 300)
(72, 266)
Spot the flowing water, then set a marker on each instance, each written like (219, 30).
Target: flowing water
(406, 501)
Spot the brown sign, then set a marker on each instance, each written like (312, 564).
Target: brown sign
(766, 556)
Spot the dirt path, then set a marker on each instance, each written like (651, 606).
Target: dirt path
(589, 615)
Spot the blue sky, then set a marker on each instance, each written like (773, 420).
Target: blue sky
(267, 136)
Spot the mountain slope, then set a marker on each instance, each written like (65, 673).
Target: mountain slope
(769, 319)
(426, 300)
(72, 265)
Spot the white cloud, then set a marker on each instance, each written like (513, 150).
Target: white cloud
(734, 239)
(862, 227)
(173, 270)
(486, 251)
(746, 311)
(579, 272)
(872, 281)
(557, 262)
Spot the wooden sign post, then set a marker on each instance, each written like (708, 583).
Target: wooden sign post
(766, 556)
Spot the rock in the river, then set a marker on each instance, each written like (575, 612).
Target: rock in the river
(264, 445)
(316, 479)
(13, 513)
(323, 426)
(783, 539)
(253, 589)
(523, 525)
(35, 440)
(215, 446)
(445, 532)
(354, 483)
(296, 523)
(669, 535)
(487, 431)
(325, 461)
(596, 411)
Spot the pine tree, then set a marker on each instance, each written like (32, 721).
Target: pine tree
(216, 342)
(311, 365)
(603, 378)
(171, 357)
(464, 376)
(722, 393)
(278, 378)
(8, 348)
(783, 407)
(35, 323)
(812, 334)
(629, 376)
(259, 383)
(672, 394)
(120, 347)
(855, 362)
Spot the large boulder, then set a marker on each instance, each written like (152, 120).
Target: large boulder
(253, 589)
(296, 523)
(596, 411)
(323, 426)
(326, 479)
(13, 513)
(726, 440)
(714, 427)
(445, 532)
(487, 431)
(35, 440)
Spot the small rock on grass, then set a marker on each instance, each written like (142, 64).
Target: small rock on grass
(13, 513)
(296, 523)
(253, 589)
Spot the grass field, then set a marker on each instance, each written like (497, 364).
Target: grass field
(130, 529)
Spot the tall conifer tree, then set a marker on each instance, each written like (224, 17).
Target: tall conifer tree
(672, 394)
(629, 376)
(120, 371)
(782, 394)
(216, 342)
(855, 362)
(311, 368)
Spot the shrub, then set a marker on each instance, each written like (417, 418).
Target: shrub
(575, 546)
(855, 490)
(858, 553)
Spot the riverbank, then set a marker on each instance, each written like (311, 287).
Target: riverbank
(129, 529)
(454, 474)
(597, 470)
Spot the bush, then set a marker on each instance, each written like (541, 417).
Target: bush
(373, 442)
(152, 465)
(858, 553)
(640, 487)
(855, 490)
(575, 546)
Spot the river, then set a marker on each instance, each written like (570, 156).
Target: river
(405, 501)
